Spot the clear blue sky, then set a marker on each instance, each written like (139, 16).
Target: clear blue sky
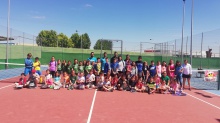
(130, 20)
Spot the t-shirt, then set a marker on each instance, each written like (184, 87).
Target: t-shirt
(73, 79)
(57, 79)
(121, 66)
(132, 83)
(158, 67)
(145, 69)
(114, 66)
(152, 70)
(98, 66)
(139, 85)
(36, 65)
(134, 70)
(92, 59)
(63, 66)
(90, 78)
(75, 67)
(48, 77)
(88, 68)
(81, 79)
(166, 79)
(59, 67)
(139, 65)
(28, 62)
(114, 81)
(68, 68)
(177, 70)
(103, 61)
(53, 65)
(106, 68)
(81, 69)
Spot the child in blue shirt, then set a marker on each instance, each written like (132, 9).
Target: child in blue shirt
(152, 69)
(106, 66)
(28, 64)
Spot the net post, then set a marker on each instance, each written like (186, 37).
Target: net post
(218, 80)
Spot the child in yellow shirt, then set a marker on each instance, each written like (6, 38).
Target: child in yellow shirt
(37, 66)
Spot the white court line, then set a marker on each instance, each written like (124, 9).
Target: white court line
(91, 109)
(203, 101)
(6, 86)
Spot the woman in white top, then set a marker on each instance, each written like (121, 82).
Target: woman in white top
(187, 73)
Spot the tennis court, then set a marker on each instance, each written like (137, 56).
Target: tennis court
(80, 106)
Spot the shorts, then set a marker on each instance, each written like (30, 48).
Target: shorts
(52, 73)
(80, 86)
(186, 76)
(27, 70)
(139, 74)
(38, 72)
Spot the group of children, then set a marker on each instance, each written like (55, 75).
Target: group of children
(122, 75)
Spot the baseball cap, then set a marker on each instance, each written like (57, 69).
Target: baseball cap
(33, 71)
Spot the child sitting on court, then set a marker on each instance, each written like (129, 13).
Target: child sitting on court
(57, 84)
(33, 79)
(80, 82)
(139, 86)
(48, 80)
(157, 81)
(122, 84)
(114, 81)
(151, 84)
(73, 78)
(99, 81)
(173, 86)
(132, 83)
(165, 82)
(22, 82)
(90, 80)
(66, 80)
(107, 85)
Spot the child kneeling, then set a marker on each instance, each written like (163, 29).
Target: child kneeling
(90, 80)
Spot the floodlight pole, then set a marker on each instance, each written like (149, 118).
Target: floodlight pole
(192, 12)
(8, 29)
(182, 30)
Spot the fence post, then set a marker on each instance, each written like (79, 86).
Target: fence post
(218, 79)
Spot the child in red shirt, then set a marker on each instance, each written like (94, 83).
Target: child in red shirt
(139, 86)
(114, 81)
(22, 82)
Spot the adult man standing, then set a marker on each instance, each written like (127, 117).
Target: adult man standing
(114, 57)
(92, 58)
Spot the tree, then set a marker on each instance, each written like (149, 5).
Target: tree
(47, 38)
(63, 41)
(106, 45)
(76, 40)
(86, 41)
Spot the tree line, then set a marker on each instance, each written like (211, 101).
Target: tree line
(50, 38)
